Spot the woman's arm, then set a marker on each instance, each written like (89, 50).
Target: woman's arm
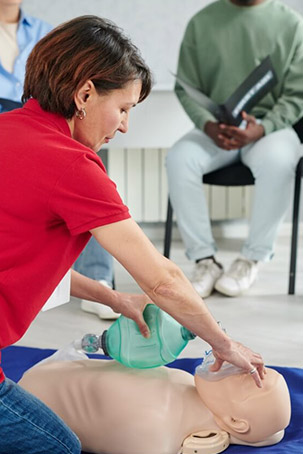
(168, 287)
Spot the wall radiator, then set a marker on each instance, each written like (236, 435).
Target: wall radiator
(140, 176)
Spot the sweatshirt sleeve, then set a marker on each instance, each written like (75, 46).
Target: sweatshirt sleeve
(289, 106)
(188, 71)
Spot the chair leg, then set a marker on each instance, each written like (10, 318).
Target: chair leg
(294, 236)
(168, 229)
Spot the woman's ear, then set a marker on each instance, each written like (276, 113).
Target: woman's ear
(83, 93)
(234, 425)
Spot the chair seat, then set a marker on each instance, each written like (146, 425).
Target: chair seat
(233, 175)
(7, 105)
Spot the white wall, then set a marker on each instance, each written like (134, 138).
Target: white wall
(156, 27)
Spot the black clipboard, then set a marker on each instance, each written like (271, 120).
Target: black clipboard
(259, 82)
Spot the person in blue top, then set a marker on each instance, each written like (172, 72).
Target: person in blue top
(19, 33)
(96, 263)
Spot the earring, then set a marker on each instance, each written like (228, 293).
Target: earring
(81, 113)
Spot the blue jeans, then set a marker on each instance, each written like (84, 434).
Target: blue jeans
(95, 262)
(27, 426)
(272, 160)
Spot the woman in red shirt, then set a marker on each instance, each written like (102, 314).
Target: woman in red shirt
(81, 82)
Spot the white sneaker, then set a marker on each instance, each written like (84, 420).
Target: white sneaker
(104, 312)
(240, 276)
(206, 273)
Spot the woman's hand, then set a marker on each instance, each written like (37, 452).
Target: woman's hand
(132, 306)
(242, 357)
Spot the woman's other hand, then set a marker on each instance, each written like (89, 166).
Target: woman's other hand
(242, 357)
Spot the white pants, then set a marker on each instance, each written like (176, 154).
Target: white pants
(272, 161)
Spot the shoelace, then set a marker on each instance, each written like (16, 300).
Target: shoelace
(240, 268)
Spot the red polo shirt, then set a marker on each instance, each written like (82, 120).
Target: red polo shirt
(53, 191)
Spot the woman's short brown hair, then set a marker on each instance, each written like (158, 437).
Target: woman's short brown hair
(87, 47)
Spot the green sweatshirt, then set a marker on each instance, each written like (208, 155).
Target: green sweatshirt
(223, 43)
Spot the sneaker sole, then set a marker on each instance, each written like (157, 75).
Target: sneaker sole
(90, 310)
(225, 292)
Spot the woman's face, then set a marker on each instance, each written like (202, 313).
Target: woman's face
(105, 114)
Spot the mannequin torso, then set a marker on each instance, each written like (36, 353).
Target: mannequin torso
(167, 411)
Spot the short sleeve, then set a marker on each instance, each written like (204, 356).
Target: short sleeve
(85, 197)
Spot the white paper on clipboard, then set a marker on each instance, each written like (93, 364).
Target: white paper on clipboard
(60, 295)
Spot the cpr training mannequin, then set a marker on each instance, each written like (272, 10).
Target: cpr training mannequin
(117, 410)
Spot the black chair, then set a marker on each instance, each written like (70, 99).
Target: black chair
(7, 105)
(240, 175)
(295, 217)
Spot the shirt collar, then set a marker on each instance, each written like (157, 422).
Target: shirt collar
(25, 18)
(57, 120)
(248, 8)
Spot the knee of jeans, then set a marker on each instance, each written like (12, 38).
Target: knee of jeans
(74, 445)
(173, 157)
(68, 443)
(281, 167)
(181, 164)
(276, 166)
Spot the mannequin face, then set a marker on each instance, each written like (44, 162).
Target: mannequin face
(248, 413)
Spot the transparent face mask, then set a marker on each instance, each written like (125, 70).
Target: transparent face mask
(208, 360)
(226, 370)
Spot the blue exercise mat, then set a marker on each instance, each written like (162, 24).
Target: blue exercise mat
(16, 360)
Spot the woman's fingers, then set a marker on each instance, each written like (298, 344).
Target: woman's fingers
(132, 306)
(143, 328)
(255, 374)
(241, 356)
(261, 370)
(217, 365)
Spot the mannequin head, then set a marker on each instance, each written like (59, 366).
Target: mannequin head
(248, 413)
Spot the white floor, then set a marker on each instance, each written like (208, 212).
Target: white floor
(267, 319)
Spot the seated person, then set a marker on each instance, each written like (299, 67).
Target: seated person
(114, 409)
